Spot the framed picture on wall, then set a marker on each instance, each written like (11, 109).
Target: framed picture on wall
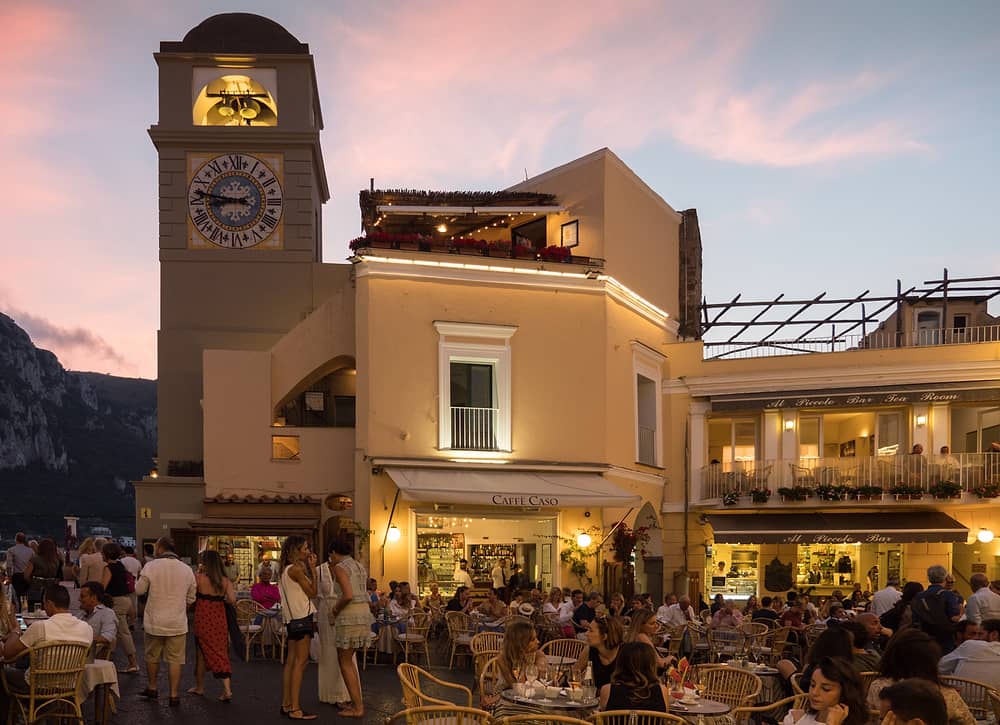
(569, 233)
(847, 449)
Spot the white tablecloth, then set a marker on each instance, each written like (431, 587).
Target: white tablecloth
(98, 672)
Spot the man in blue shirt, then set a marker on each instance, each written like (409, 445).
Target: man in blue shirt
(936, 609)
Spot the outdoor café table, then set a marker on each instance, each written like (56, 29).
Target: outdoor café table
(561, 705)
(698, 709)
(387, 629)
(482, 624)
(559, 664)
(101, 678)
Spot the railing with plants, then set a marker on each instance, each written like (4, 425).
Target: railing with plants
(870, 478)
(500, 248)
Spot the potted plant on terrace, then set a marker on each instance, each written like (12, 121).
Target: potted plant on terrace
(524, 251)
(906, 492)
(499, 248)
(946, 489)
(467, 245)
(832, 492)
(556, 254)
(760, 495)
(868, 493)
(730, 498)
(987, 490)
(794, 493)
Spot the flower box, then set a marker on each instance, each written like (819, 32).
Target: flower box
(556, 254)
(465, 245)
(868, 493)
(498, 248)
(730, 498)
(760, 495)
(795, 493)
(987, 490)
(945, 490)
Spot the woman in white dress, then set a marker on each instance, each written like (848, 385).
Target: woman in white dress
(331, 682)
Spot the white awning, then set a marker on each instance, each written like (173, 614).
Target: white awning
(509, 488)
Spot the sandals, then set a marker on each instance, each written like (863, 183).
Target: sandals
(175, 702)
(301, 715)
(150, 693)
(225, 698)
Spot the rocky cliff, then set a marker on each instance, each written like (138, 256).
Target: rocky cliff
(69, 441)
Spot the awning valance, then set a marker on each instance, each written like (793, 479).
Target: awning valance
(824, 528)
(253, 526)
(509, 488)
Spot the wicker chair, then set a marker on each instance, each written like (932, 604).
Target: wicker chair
(773, 647)
(411, 678)
(485, 646)
(540, 718)
(247, 610)
(516, 618)
(102, 650)
(734, 687)
(371, 645)
(994, 698)
(699, 642)
(440, 714)
(635, 717)
(488, 678)
(974, 692)
(724, 642)
(812, 632)
(56, 674)
(675, 638)
(796, 680)
(414, 639)
(460, 631)
(867, 678)
(773, 711)
(567, 650)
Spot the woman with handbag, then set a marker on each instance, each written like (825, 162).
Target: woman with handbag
(332, 688)
(298, 587)
(353, 620)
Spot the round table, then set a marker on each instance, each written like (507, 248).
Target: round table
(699, 707)
(577, 708)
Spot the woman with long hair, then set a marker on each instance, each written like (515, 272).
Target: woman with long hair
(332, 688)
(604, 637)
(901, 614)
(90, 562)
(834, 642)
(115, 583)
(297, 584)
(211, 631)
(750, 610)
(353, 620)
(519, 653)
(835, 696)
(634, 685)
(642, 629)
(911, 653)
(44, 568)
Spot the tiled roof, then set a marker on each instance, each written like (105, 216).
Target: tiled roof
(233, 498)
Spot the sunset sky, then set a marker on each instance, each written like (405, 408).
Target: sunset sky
(826, 146)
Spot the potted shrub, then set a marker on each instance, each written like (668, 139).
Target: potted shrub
(987, 490)
(831, 492)
(730, 498)
(409, 242)
(466, 245)
(946, 489)
(905, 492)
(524, 251)
(760, 495)
(795, 493)
(376, 240)
(556, 254)
(869, 493)
(499, 248)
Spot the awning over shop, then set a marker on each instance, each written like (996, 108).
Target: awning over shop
(254, 527)
(509, 488)
(822, 528)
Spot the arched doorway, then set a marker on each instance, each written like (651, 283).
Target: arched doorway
(649, 563)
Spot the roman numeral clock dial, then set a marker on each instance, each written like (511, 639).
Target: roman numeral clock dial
(234, 201)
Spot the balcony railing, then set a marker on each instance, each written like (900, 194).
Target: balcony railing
(647, 446)
(917, 472)
(879, 340)
(474, 429)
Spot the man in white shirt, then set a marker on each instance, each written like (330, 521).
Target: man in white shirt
(661, 613)
(171, 587)
(884, 599)
(462, 577)
(61, 626)
(976, 659)
(983, 603)
(499, 576)
(677, 614)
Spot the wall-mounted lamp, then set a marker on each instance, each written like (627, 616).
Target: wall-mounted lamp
(393, 533)
(921, 420)
(583, 540)
(985, 536)
(790, 424)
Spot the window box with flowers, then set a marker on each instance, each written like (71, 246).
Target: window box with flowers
(760, 495)
(467, 245)
(987, 490)
(905, 492)
(794, 493)
(524, 251)
(556, 254)
(868, 493)
(946, 489)
(832, 492)
(498, 248)
(730, 498)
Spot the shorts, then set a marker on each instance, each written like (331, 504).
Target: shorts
(168, 648)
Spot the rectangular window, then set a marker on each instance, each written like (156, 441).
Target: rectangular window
(473, 406)
(533, 234)
(284, 448)
(646, 400)
(343, 411)
(810, 440)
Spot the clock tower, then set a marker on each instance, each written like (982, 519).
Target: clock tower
(241, 186)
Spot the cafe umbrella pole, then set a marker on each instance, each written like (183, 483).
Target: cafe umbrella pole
(385, 538)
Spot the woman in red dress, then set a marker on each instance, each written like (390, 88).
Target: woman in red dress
(211, 632)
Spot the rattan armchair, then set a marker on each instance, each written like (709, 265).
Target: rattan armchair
(440, 714)
(569, 652)
(773, 711)
(413, 681)
(485, 646)
(733, 686)
(974, 692)
(635, 717)
(724, 642)
(247, 610)
(56, 674)
(414, 640)
(460, 631)
(541, 719)
(994, 698)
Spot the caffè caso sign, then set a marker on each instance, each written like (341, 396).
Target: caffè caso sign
(529, 499)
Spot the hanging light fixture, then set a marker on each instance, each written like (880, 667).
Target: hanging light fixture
(394, 533)
(985, 536)
(583, 540)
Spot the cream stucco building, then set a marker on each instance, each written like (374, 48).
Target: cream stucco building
(491, 375)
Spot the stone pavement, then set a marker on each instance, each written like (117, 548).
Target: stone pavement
(257, 693)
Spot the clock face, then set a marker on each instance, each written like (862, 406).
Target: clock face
(235, 201)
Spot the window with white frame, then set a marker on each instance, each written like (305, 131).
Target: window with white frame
(648, 378)
(474, 386)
